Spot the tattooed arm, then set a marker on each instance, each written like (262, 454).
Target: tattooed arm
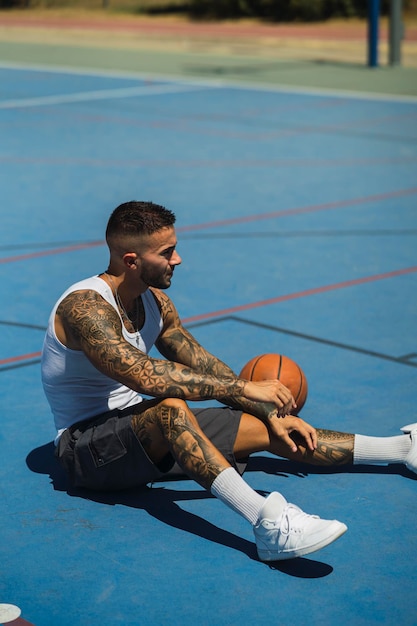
(85, 321)
(177, 344)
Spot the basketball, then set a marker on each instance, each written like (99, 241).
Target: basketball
(272, 366)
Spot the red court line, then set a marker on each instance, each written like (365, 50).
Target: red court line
(297, 211)
(34, 255)
(236, 220)
(260, 303)
(301, 294)
(22, 357)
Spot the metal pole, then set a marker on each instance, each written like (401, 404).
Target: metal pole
(373, 31)
(395, 32)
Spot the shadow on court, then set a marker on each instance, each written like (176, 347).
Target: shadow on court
(160, 502)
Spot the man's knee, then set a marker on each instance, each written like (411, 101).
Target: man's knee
(174, 415)
(174, 403)
(174, 411)
(154, 426)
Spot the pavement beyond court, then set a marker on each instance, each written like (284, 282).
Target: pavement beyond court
(325, 56)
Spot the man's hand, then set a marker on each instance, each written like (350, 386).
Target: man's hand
(271, 391)
(282, 427)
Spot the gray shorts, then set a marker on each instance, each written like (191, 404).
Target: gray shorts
(104, 454)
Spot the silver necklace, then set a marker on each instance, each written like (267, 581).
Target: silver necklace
(134, 323)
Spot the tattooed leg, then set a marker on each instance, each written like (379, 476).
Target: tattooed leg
(170, 426)
(333, 448)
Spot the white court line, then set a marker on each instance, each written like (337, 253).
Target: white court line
(100, 94)
(216, 83)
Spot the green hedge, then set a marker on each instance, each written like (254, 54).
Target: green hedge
(281, 10)
(268, 10)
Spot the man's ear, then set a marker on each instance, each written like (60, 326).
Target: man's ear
(130, 259)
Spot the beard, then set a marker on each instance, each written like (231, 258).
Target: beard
(158, 280)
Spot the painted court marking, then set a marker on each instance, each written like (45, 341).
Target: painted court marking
(309, 209)
(100, 94)
(302, 294)
(261, 303)
(9, 612)
(213, 83)
(227, 222)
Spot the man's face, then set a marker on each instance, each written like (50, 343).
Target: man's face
(158, 258)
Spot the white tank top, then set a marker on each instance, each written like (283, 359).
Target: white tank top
(74, 388)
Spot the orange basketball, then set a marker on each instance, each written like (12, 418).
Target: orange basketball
(271, 366)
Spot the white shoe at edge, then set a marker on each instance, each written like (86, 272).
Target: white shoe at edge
(284, 531)
(411, 458)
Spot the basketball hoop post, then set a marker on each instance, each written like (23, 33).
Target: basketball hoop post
(373, 32)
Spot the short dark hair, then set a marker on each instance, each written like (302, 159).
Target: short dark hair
(138, 218)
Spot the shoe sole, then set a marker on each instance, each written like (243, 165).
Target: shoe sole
(267, 555)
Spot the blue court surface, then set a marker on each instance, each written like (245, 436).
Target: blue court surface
(297, 225)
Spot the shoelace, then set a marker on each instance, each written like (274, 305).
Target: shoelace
(294, 518)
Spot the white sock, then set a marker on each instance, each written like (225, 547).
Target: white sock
(232, 490)
(380, 450)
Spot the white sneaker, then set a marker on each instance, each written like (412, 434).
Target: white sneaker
(411, 458)
(284, 531)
